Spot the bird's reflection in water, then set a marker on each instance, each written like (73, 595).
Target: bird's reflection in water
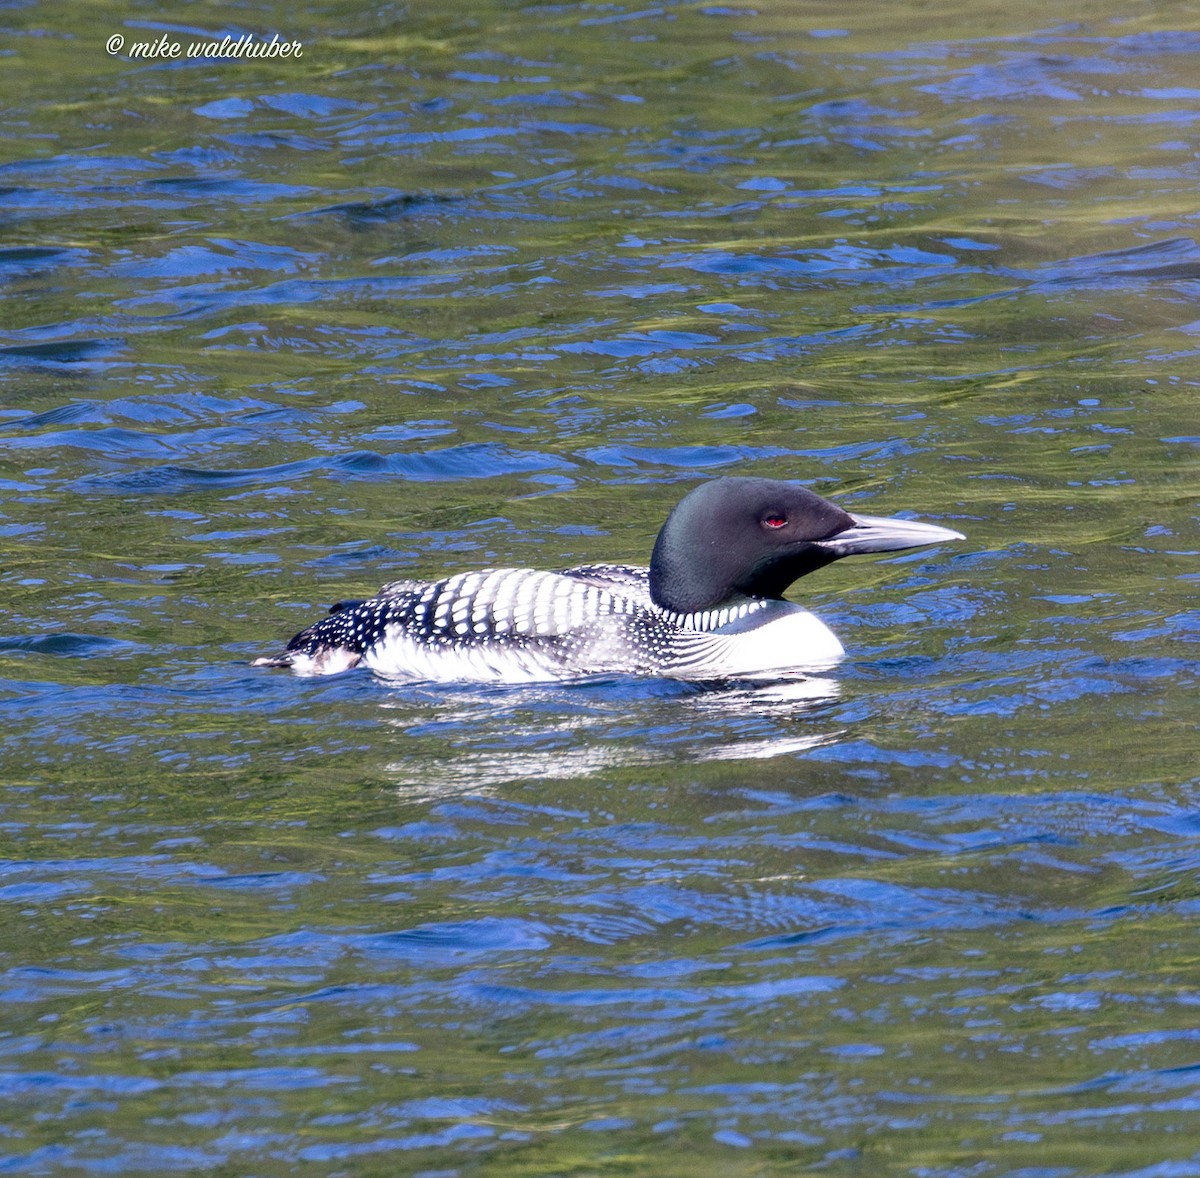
(471, 739)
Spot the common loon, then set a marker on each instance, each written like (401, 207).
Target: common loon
(710, 606)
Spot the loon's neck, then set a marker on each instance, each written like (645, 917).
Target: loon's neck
(737, 609)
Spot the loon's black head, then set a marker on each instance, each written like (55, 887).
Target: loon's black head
(754, 537)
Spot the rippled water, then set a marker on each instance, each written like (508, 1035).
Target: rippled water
(496, 285)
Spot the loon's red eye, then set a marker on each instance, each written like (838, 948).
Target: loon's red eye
(774, 521)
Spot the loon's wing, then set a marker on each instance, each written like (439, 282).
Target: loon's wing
(516, 608)
(398, 588)
(511, 603)
(622, 580)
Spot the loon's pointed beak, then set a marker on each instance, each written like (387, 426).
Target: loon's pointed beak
(871, 533)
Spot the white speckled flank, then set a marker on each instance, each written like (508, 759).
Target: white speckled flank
(522, 625)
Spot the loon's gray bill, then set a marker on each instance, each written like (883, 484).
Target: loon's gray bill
(872, 533)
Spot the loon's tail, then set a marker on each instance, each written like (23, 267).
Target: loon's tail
(331, 645)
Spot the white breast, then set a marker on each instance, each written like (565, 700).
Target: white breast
(786, 641)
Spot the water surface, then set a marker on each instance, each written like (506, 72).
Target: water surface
(497, 285)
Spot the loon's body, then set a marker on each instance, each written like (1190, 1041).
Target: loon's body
(524, 625)
(710, 606)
